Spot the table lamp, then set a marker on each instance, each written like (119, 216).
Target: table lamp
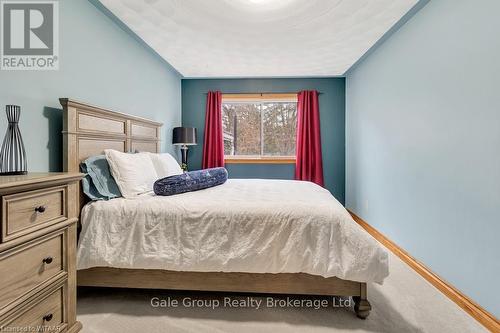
(184, 137)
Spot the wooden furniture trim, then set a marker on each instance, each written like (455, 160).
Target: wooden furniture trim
(36, 234)
(259, 160)
(58, 284)
(81, 129)
(7, 235)
(104, 112)
(292, 283)
(73, 133)
(155, 127)
(158, 279)
(14, 183)
(44, 284)
(258, 97)
(475, 310)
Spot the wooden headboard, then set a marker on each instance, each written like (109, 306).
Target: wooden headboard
(88, 130)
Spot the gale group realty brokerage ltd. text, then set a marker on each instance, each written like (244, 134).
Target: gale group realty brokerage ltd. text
(250, 302)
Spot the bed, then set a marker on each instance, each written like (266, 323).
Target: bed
(252, 235)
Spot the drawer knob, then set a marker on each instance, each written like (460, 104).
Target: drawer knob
(48, 317)
(40, 209)
(47, 260)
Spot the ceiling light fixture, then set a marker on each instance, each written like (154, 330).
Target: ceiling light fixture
(269, 4)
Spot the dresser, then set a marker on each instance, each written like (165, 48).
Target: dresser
(39, 214)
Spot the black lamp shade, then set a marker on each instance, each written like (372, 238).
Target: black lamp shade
(184, 136)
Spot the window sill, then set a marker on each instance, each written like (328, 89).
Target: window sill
(259, 160)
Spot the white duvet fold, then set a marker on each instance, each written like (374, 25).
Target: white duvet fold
(244, 225)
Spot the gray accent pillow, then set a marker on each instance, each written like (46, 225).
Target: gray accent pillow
(89, 189)
(98, 183)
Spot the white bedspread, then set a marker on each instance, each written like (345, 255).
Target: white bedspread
(245, 225)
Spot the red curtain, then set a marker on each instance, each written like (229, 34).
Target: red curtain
(213, 144)
(309, 163)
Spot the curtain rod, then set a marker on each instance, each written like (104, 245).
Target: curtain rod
(263, 93)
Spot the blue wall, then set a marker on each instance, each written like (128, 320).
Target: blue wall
(100, 64)
(332, 113)
(423, 142)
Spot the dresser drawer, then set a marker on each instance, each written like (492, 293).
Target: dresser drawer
(26, 267)
(45, 316)
(26, 212)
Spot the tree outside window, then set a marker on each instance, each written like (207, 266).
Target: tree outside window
(259, 128)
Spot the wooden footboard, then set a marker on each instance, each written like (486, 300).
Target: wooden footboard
(283, 283)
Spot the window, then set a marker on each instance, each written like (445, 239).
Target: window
(259, 127)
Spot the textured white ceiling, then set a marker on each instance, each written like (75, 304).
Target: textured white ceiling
(260, 38)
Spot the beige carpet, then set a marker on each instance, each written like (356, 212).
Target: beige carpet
(405, 303)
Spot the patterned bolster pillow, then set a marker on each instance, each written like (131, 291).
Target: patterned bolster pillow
(190, 181)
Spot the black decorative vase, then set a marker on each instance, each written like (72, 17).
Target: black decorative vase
(13, 155)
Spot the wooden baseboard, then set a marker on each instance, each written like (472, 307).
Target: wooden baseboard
(472, 308)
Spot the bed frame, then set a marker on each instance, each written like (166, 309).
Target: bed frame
(87, 131)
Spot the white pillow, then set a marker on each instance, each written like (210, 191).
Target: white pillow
(165, 165)
(134, 173)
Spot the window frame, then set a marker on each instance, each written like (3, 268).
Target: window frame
(259, 98)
